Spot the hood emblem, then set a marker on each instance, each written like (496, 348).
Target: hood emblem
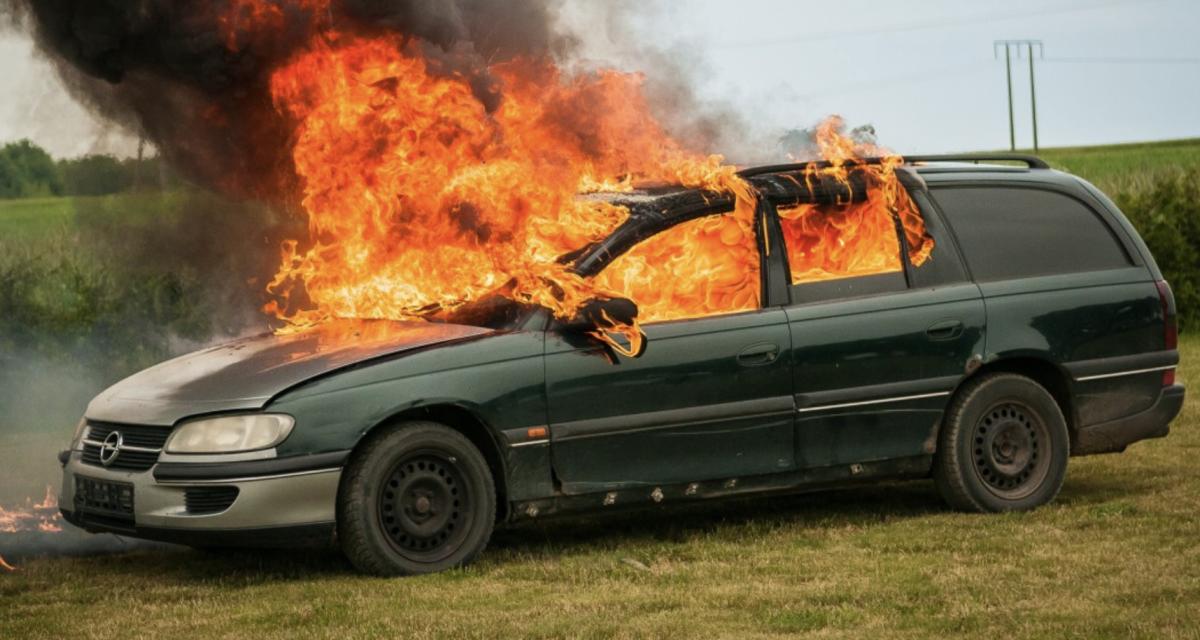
(111, 448)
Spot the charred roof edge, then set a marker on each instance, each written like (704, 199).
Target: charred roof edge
(1030, 161)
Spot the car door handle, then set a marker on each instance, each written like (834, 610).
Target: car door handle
(945, 330)
(758, 354)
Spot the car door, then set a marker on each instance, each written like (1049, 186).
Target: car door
(711, 397)
(875, 357)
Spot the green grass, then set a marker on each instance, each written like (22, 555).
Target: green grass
(37, 218)
(34, 215)
(1125, 167)
(1116, 556)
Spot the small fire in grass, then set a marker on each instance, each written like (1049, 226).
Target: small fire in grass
(32, 516)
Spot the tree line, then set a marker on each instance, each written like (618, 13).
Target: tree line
(28, 171)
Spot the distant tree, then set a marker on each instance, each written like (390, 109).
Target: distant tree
(11, 181)
(96, 175)
(27, 171)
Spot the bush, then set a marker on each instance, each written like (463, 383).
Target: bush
(134, 279)
(61, 303)
(101, 175)
(1166, 212)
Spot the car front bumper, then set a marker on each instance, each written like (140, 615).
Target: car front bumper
(279, 501)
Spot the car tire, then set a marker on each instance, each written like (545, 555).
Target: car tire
(416, 498)
(1003, 446)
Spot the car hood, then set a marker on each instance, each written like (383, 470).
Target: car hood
(245, 374)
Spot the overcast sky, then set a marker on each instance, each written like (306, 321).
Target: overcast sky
(922, 72)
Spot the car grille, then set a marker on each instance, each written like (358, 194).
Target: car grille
(151, 439)
(208, 500)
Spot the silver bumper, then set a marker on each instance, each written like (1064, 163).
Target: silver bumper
(268, 502)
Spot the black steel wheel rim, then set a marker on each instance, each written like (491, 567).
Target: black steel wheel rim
(1011, 450)
(424, 506)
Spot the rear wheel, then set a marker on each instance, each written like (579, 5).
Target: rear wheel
(1003, 446)
(417, 498)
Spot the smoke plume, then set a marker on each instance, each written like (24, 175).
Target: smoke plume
(189, 77)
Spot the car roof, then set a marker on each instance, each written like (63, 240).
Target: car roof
(658, 207)
(974, 165)
(944, 169)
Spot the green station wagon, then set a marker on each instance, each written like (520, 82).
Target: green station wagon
(1039, 328)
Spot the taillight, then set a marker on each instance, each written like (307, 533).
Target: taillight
(1170, 328)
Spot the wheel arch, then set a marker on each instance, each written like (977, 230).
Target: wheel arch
(1052, 377)
(467, 422)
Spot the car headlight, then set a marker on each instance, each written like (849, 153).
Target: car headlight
(228, 434)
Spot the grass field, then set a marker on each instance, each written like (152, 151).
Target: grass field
(35, 215)
(34, 218)
(1116, 556)
(1125, 167)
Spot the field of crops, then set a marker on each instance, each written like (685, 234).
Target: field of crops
(1127, 167)
(1116, 556)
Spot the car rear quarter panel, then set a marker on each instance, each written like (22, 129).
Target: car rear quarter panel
(1067, 319)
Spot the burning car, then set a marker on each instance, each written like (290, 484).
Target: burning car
(990, 321)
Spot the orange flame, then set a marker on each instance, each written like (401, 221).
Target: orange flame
(40, 516)
(419, 199)
(48, 502)
(855, 239)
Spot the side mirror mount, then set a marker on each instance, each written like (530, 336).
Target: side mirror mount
(607, 320)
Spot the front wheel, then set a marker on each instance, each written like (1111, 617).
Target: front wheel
(1003, 446)
(417, 498)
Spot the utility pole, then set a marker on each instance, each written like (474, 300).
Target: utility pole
(1029, 45)
(1012, 127)
(1033, 93)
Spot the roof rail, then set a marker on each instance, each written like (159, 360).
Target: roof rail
(1033, 162)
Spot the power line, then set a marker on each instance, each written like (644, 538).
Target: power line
(1125, 60)
(890, 79)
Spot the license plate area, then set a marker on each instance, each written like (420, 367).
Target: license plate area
(110, 500)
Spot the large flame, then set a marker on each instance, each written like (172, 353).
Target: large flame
(420, 199)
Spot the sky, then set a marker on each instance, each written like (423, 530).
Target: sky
(924, 73)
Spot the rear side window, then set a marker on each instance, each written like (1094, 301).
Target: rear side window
(839, 252)
(1008, 232)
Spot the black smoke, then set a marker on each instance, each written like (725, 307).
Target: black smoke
(192, 77)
